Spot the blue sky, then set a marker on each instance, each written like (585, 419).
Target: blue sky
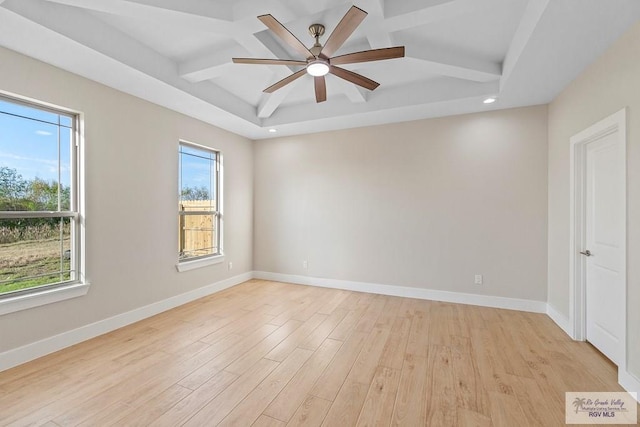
(195, 168)
(31, 146)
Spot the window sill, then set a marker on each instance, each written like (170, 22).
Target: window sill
(44, 297)
(199, 263)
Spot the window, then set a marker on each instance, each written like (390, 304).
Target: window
(199, 203)
(39, 221)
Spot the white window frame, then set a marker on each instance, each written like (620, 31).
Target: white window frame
(78, 286)
(217, 258)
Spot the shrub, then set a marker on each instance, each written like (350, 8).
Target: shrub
(24, 232)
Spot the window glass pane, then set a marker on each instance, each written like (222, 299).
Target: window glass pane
(197, 237)
(34, 252)
(66, 121)
(198, 230)
(66, 142)
(197, 175)
(36, 167)
(35, 164)
(11, 108)
(195, 151)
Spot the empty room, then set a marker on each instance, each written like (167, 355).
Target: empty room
(319, 213)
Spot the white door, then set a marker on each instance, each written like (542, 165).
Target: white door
(605, 240)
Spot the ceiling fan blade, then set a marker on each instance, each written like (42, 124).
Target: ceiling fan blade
(280, 30)
(369, 55)
(285, 81)
(343, 30)
(321, 88)
(352, 77)
(268, 61)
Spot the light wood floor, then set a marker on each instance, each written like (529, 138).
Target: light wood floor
(273, 354)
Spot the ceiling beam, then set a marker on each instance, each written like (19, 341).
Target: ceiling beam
(283, 10)
(373, 24)
(24, 35)
(447, 62)
(384, 100)
(193, 14)
(461, 67)
(247, 44)
(207, 67)
(397, 8)
(66, 37)
(355, 93)
(272, 47)
(258, 49)
(211, 65)
(530, 19)
(373, 7)
(376, 38)
(247, 10)
(271, 101)
(399, 17)
(186, 14)
(207, 8)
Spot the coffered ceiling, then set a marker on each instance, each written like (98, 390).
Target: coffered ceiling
(458, 52)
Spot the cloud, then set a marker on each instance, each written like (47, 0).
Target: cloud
(43, 133)
(29, 159)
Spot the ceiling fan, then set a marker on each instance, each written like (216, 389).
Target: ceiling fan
(319, 62)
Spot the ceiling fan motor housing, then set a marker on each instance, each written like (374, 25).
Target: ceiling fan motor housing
(316, 30)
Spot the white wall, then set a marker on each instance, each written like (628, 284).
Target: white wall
(424, 204)
(131, 191)
(608, 85)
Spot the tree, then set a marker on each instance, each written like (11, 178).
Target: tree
(194, 193)
(17, 193)
(13, 188)
(44, 195)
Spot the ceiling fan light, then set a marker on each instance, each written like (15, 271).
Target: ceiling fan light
(318, 68)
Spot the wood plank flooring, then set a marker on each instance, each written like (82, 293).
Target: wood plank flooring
(274, 354)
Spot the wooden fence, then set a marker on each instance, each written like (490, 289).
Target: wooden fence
(197, 233)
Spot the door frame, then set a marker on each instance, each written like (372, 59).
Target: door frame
(617, 122)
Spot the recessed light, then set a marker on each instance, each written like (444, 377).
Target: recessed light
(490, 100)
(272, 130)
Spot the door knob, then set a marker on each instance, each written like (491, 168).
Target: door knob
(586, 253)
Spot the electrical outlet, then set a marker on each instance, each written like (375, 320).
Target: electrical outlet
(230, 265)
(478, 279)
(305, 264)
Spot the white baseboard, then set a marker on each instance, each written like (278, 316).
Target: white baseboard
(404, 291)
(629, 382)
(561, 320)
(49, 345)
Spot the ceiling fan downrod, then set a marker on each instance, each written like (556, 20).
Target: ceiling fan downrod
(316, 31)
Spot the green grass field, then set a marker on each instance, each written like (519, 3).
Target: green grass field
(21, 261)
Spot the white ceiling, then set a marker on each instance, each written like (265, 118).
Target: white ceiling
(458, 52)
